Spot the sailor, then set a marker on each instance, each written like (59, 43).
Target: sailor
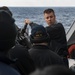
(22, 61)
(40, 52)
(7, 41)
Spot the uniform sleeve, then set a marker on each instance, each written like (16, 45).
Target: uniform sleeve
(54, 30)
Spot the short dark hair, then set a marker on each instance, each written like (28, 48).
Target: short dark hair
(49, 11)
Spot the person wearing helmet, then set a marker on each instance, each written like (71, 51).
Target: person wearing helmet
(7, 41)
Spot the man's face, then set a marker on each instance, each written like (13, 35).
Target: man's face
(49, 18)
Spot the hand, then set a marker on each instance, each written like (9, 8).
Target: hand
(27, 21)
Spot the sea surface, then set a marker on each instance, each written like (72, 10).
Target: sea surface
(65, 15)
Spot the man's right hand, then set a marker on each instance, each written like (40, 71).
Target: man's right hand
(27, 21)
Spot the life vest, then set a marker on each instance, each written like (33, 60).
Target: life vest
(71, 49)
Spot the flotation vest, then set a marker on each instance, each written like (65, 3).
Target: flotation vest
(71, 49)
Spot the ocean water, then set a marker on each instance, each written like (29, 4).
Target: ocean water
(65, 15)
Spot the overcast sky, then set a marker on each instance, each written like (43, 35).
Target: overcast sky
(39, 3)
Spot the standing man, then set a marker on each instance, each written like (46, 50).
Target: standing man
(56, 31)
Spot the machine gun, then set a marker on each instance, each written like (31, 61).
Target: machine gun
(23, 38)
